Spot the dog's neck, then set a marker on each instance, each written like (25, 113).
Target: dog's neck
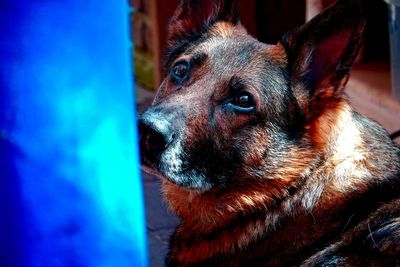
(352, 152)
(224, 224)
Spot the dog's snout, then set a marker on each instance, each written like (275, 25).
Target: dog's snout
(155, 136)
(153, 139)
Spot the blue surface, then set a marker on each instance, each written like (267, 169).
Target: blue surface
(70, 193)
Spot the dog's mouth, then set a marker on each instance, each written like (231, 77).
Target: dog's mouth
(162, 153)
(150, 162)
(152, 171)
(170, 166)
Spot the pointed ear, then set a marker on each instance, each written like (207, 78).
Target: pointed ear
(192, 18)
(321, 53)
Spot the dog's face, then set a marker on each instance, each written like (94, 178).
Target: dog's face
(232, 110)
(223, 105)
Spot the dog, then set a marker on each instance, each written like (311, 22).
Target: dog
(259, 151)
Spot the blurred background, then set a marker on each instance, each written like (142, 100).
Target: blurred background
(374, 87)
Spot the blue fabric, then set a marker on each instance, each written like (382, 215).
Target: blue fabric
(70, 192)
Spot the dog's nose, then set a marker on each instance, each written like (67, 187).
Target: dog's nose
(155, 136)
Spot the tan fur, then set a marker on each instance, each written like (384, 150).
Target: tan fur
(226, 30)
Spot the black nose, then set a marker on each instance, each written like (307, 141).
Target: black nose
(155, 136)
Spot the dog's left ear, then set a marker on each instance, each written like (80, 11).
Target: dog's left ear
(321, 53)
(193, 18)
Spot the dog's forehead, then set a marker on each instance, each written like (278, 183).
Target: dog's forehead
(230, 51)
(258, 63)
(231, 48)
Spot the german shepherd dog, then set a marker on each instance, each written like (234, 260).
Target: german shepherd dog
(261, 155)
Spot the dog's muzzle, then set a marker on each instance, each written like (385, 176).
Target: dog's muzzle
(155, 136)
(161, 134)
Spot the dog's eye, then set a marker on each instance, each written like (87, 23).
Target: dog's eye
(244, 100)
(180, 71)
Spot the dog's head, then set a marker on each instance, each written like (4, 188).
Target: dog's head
(232, 110)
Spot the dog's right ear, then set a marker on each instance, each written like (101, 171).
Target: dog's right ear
(193, 18)
(321, 52)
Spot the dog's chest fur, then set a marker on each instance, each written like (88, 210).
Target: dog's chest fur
(343, 209)
(331, 216)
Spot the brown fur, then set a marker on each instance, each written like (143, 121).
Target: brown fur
(298, 178)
